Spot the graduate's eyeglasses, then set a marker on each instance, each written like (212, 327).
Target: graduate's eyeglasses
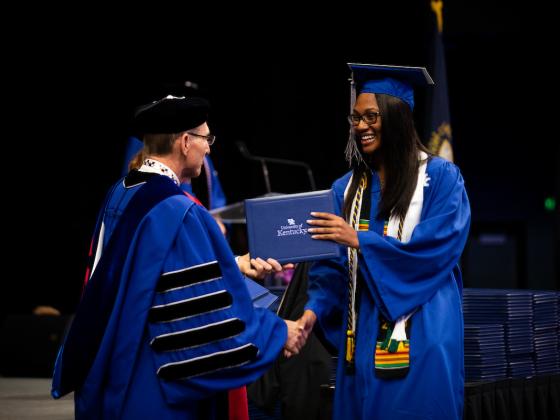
(210, 138)
(369, 118)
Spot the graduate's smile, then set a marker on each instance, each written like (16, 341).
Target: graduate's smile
(370, 141)
(368, 138)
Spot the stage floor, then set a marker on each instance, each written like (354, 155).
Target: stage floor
(29, 398)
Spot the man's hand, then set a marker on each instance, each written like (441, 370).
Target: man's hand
(295, 340)
(257, 268)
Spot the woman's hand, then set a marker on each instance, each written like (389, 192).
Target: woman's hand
(334, 228)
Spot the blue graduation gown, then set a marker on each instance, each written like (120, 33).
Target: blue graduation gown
(399, 278)
(182, 327)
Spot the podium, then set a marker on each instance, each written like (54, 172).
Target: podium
(235, 213)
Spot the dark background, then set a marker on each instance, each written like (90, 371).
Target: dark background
(278, 83)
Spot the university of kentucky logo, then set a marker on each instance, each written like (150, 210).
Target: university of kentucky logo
(292, 229)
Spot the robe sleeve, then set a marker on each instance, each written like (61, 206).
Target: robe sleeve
(403, 276)
(328, 288)
(205, 336)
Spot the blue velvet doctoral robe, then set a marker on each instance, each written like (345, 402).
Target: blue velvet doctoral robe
(179, 326)
(399, 278)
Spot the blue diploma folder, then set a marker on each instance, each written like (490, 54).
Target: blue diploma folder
(260, 295)
(277, 227)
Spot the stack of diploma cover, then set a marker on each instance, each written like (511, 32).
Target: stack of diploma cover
(546, 327)
(484, 309)
(485, 352)
(277, 227)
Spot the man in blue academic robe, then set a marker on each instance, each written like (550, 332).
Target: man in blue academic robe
(166, 323)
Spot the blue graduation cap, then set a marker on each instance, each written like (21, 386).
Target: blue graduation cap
(397, 81)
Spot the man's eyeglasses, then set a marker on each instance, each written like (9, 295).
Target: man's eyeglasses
(210, 138)
(369, 118)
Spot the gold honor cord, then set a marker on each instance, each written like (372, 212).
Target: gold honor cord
(401, 225)
(350, 331)
(352, 257)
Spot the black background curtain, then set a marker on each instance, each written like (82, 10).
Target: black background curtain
(534, 398)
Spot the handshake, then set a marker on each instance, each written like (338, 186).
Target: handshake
(298, 332)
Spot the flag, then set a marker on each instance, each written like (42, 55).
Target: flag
(440, 140)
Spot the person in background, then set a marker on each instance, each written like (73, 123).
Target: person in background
(166, 325)
(392, 303)
(296, 385)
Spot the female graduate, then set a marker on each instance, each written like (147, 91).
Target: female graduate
(392, 303)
